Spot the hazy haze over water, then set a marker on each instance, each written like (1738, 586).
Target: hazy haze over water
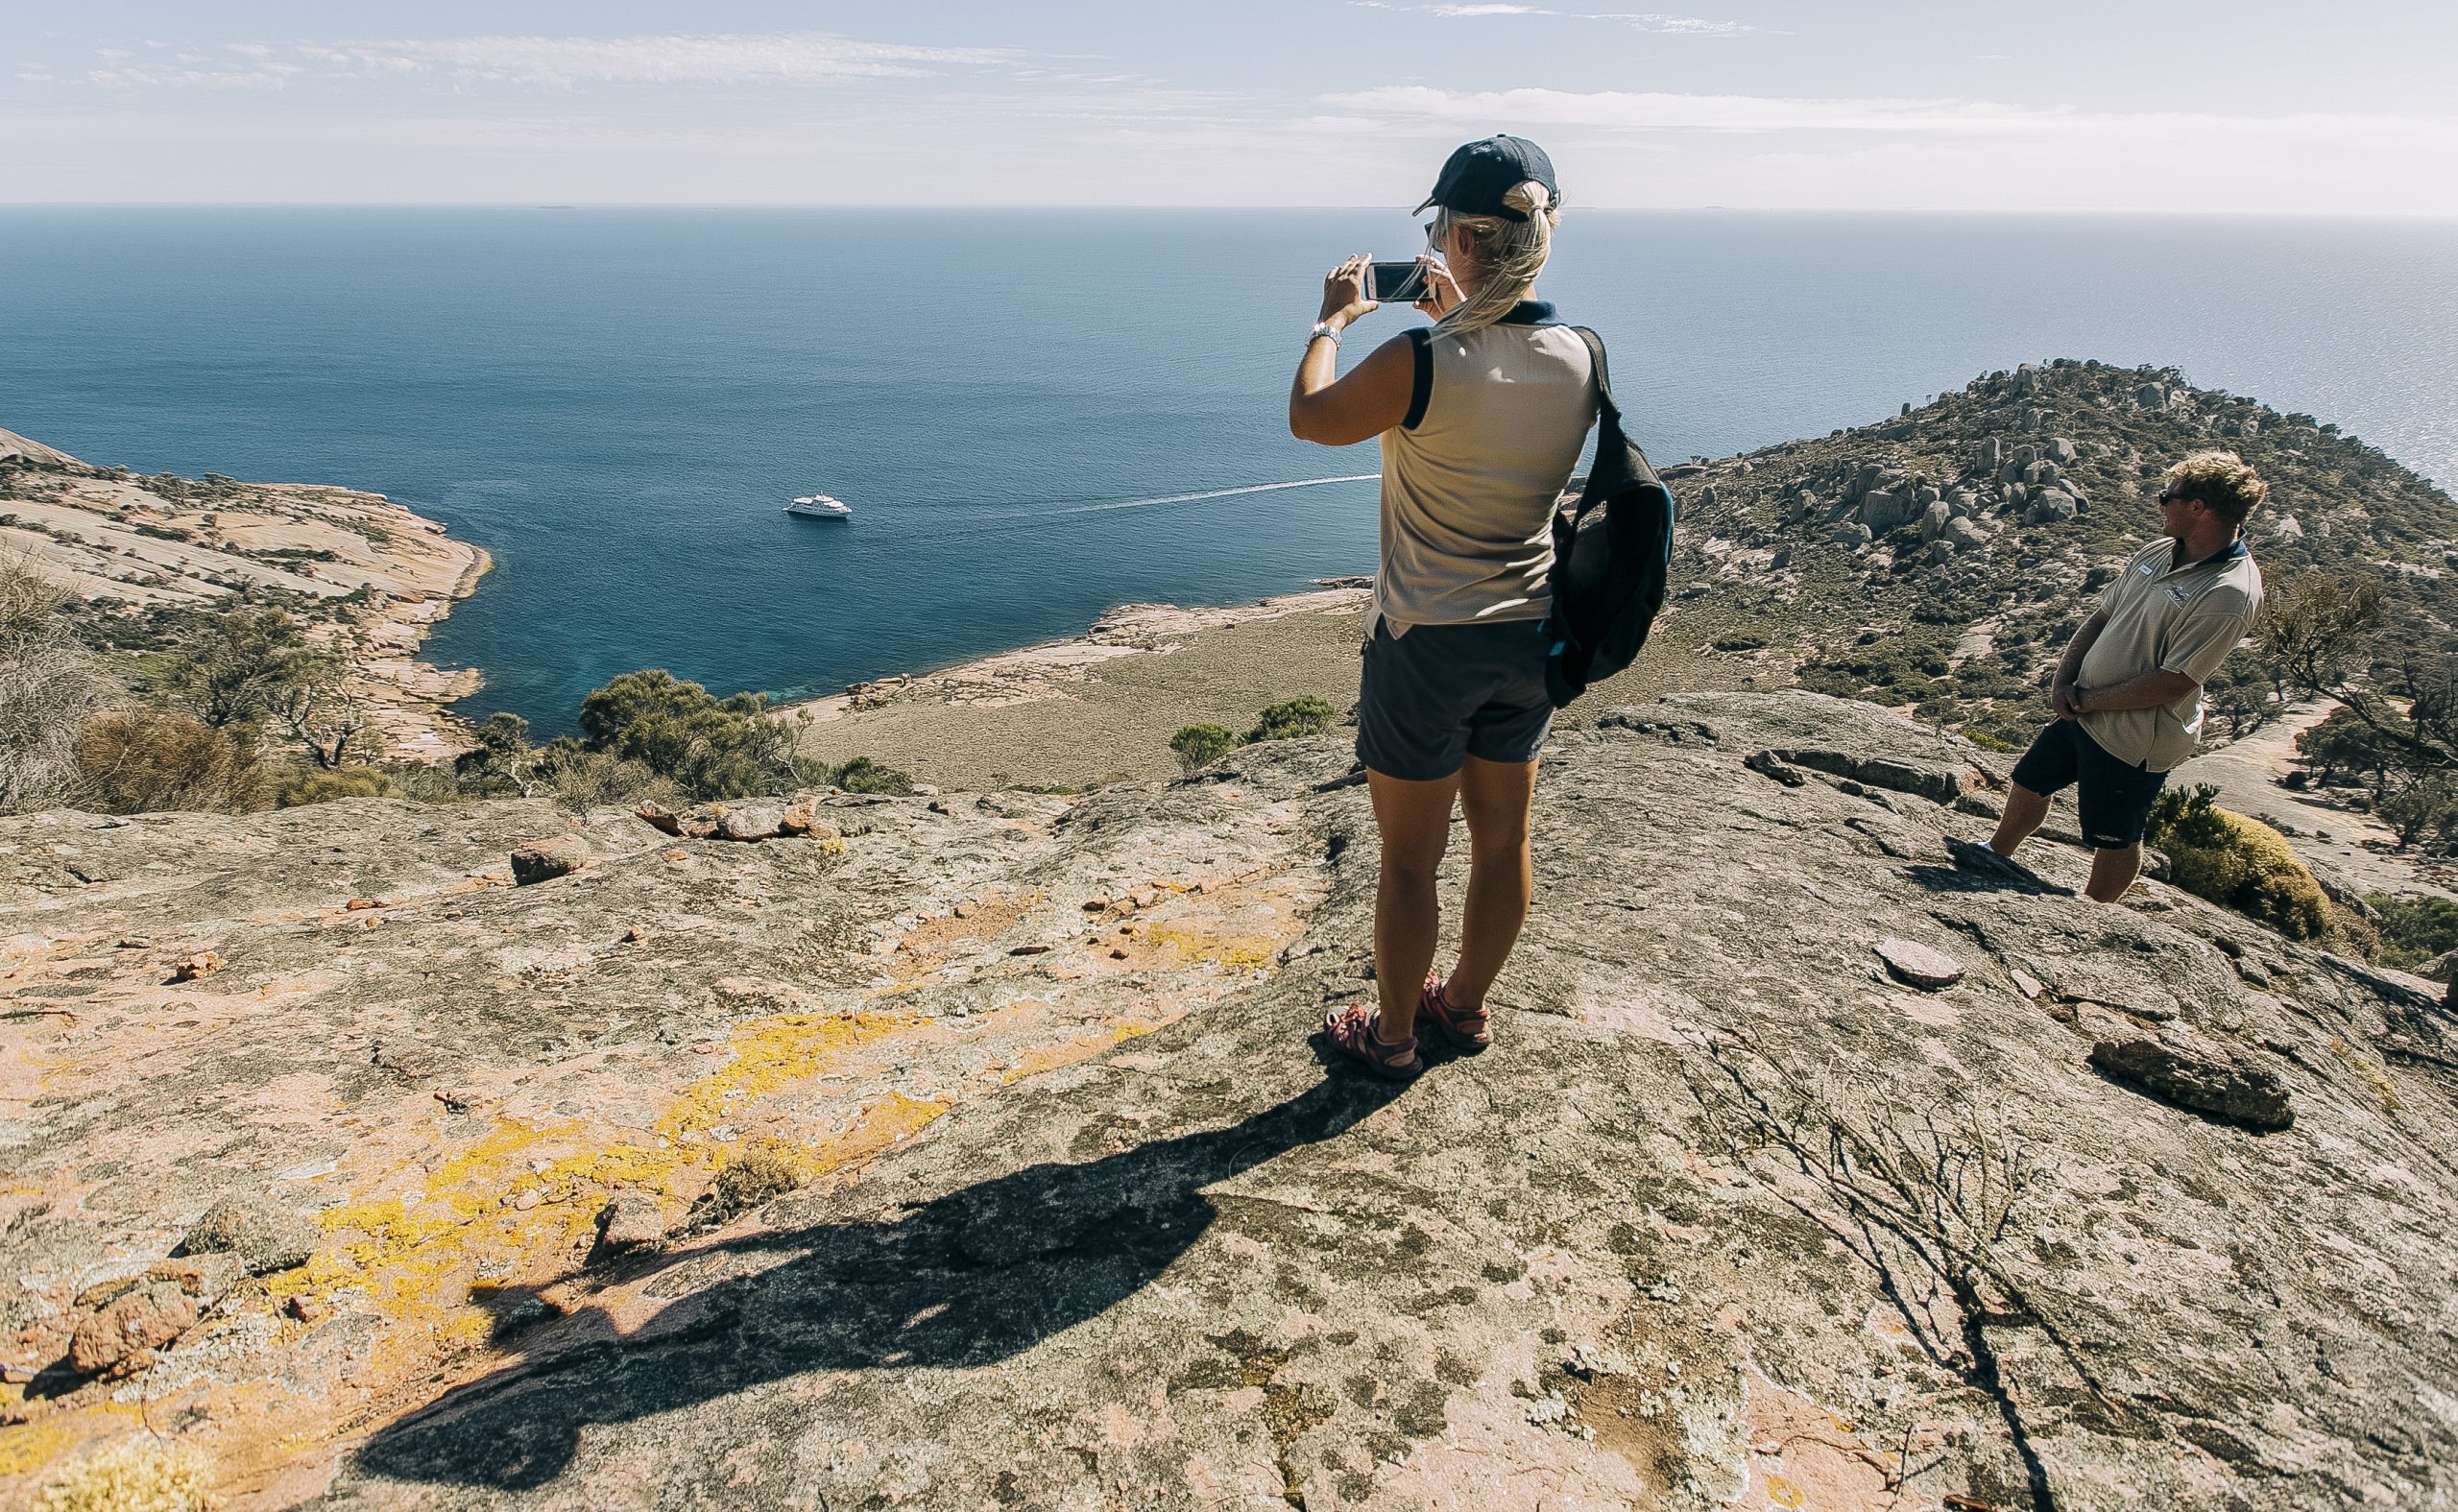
(618, 402)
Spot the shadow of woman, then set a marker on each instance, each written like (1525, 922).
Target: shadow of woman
(970, 1279)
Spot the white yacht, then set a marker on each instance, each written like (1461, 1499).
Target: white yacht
(819, 506)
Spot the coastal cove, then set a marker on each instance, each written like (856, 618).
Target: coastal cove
(1055, 419)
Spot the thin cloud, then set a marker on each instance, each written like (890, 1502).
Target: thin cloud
(790, 60)
(1762, 114)
(1641, 20)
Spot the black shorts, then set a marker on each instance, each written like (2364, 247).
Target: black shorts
(2114, 796)
(1428, 700)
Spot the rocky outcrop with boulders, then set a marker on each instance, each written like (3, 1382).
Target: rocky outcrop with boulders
(1822, 1159)
(1965, 538)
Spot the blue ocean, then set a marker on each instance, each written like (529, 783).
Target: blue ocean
(1039, 414)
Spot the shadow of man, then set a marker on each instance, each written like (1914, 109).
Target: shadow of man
(970, 1279)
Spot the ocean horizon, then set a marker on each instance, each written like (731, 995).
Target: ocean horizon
(1040, 414)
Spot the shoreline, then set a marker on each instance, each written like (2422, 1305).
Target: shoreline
(363, 575)
(1043, 669)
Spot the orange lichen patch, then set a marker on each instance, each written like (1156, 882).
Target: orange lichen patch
(930, 944)
(1804, 1456)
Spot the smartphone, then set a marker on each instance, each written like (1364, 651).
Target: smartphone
(1395, 283)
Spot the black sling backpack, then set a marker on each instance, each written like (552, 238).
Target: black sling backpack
(1612, 550)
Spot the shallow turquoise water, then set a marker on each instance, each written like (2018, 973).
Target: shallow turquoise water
(1020, 404)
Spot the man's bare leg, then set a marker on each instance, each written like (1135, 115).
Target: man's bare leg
(2113, 872)
(1496, 797)
(2025, 812)
(1415, 820)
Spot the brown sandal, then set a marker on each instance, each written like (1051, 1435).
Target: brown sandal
(1466, 1030)
(1350, 1031)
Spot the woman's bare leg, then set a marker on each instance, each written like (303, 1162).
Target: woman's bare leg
(1496, 797)
(1415, 819)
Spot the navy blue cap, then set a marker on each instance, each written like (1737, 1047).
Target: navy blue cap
(1480, 173)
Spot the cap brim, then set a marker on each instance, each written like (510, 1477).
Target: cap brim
(1422, 208)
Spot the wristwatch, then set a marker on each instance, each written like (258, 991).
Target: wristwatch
(1324, 328)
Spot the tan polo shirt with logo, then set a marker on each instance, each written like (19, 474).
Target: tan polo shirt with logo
(2162, 617)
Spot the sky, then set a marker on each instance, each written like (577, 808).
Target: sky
(1937, 106)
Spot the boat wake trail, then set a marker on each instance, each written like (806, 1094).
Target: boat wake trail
(1213, 494)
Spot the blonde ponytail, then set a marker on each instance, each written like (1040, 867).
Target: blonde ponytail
(1505, 256)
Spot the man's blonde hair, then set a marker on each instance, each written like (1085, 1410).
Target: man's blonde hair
(2221, 480)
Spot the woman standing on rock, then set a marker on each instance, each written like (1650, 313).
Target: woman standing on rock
(1483, 418)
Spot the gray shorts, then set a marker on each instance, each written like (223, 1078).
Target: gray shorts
(1441, 694)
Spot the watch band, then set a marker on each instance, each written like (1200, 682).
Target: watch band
(1324, 328)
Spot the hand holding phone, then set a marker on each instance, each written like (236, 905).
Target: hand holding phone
(1397, 282)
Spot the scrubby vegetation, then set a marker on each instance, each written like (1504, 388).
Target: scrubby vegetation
(1198, 746)
(2413, 930)
(2237, 863)
(142, 761)
(1290, 719)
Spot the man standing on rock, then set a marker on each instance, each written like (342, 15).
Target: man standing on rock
(2128, 692)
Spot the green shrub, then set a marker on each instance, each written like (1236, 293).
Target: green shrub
(312, 785)
(149, 760)
(1291, 718)
(2237, 863)
(1198, 746)
(862, 775)
(2415, 929)
(706, 746)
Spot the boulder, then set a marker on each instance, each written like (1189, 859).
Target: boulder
(2151, 396)
(264, 1236)
(750, 820)
(2049, 507)
(544, 860)
(1883, 510)
(1992, 454)
(1924, 967)
(2442, 967)
(1850, 535)
(2027, 380)
(1933, 521)
(1966, 534)
(2061, 450)
(1962, 503)
(2182, 1068)
(124, 1334)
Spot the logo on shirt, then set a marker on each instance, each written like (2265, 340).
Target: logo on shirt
(2149, 569)
(2175, 595)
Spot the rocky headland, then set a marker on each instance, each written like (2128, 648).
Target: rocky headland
(360, 574)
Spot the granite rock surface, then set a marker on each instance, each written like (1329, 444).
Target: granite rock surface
(1727, 1216)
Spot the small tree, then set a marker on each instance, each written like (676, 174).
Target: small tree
(2427, 805)
(1290, 719)
(232, 673)
(1198, 746)
(504, 760)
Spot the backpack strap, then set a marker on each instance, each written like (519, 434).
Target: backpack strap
(1594, 345)
(1421, 385)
